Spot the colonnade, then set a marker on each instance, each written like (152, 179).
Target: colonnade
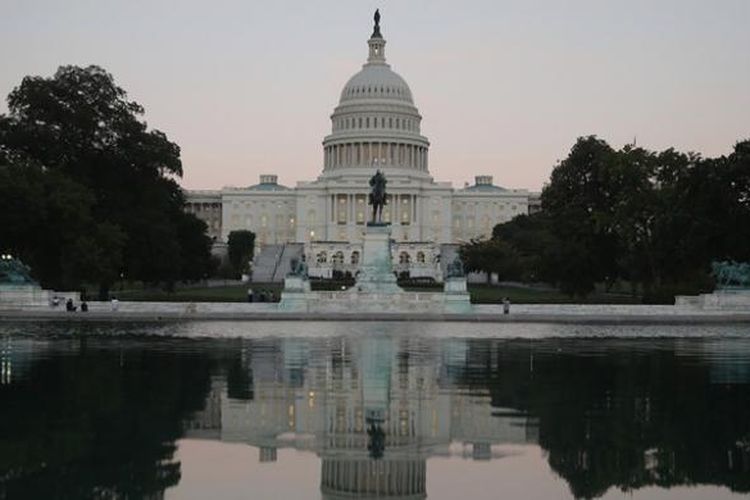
(386, 478)
(367, 154)
(348, 208)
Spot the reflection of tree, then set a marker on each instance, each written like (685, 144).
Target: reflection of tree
(99, 423)
(627, 418)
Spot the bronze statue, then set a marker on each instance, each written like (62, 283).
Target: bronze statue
(377, 196)
(455, 269)
(730, 274)
(15, 272)
(376, 30)
(298, 268)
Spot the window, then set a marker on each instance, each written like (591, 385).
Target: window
(322, 256)
(403, 258)
(355, 257)
(338, 258)
(420, 257)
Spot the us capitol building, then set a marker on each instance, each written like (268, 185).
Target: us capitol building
(376, 125)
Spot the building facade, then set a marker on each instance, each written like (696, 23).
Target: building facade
(376, 126)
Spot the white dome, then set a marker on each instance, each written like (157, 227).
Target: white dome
(376, 81)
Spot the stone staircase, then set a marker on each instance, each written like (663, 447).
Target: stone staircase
(265, 263)
(284, 264)
(274, 262)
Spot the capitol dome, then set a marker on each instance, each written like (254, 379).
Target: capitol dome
(376, 124)
(376, 81)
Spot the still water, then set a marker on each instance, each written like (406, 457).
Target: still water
(375, 410)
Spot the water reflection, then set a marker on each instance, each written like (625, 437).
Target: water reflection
(98, 417)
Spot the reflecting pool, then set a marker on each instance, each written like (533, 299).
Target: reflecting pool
(376, 410)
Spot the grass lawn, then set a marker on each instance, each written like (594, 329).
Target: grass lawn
(236, 293)
(480, 294)
(484, 294)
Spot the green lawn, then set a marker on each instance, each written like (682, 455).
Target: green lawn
(480, 294)
(236, 293)
(484, 294)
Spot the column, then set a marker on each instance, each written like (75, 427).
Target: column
(395, 210)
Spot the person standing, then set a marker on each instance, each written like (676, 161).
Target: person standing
(506, 305)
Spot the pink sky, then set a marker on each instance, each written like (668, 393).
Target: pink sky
(505, 87)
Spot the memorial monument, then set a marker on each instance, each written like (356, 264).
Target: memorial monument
(376, 288)
(18, 288)
(732, 288)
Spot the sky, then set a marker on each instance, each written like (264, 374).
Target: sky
(504, 86)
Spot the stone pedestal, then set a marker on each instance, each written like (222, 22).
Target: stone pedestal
(723, 300)
(296, 294)
(376, 270)
(457, 298)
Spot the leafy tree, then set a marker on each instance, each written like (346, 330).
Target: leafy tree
(240, 246)
(580, 201)
(492, 257)
(79, 125)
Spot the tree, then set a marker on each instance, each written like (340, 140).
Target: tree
(492, 257)
(79, 125)
(580, 201)
(240, 248)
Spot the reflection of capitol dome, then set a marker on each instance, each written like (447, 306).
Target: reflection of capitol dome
(376, 122)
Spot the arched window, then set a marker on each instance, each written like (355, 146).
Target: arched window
(338, 258)
(355, 257)
(403, 258)
(322, 258)
(420, 257)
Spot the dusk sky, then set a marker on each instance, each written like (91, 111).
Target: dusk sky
(505, 87)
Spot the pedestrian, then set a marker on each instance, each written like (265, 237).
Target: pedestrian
(115, 303)
(84, 307)
(506, 305)
(249, 294)
(69, 306)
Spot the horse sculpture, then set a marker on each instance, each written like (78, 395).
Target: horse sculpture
(377, 197)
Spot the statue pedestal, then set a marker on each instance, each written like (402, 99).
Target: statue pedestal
(457, 298)
(722, 300)
(376, 290)
(376, 271)
(296, 294)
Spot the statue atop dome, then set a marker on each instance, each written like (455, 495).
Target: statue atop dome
(376, 30)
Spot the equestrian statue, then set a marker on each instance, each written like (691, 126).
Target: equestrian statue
(377, 197)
